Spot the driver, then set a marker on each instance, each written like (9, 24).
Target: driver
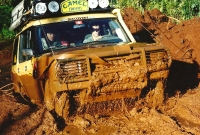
(95, 33)
(50, 41)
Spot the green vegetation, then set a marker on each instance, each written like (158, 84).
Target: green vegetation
(6, 7)
(5, 22)
(180, 9)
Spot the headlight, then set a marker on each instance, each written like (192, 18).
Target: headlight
(53, 6)
(40, 8)
(92, 3)
(103, 3)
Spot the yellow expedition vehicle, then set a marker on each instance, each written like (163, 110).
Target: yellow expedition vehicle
(73, 53)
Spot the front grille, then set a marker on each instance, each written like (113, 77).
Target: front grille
(68, 71)
(77, 70)
(120, 62)
(124, 72)
(157, 60)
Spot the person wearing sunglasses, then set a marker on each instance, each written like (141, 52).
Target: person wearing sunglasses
(95, 33)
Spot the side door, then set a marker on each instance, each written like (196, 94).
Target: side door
(23, 66)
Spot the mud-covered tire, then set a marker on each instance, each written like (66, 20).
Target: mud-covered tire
(62, 104)
(155, 97)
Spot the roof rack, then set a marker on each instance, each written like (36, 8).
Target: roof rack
(16, 15)
(34, 9)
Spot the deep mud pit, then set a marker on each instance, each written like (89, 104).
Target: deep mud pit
(178, 114)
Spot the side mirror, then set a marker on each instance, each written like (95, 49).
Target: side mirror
(27, 52)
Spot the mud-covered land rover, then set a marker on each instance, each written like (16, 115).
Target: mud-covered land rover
(75, 72)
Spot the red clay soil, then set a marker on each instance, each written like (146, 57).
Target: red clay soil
(178, 115)
(182, 38)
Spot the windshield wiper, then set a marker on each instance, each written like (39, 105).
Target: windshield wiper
(104, 43)
(54, 48)
(95, 42)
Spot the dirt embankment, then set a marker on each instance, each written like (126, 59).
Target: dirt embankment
(178, 115)
(182, 38)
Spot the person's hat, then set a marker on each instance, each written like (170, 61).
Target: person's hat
(49, 31)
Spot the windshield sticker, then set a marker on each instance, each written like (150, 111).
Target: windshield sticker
(77, 18)
(70, 6)
(78, 22)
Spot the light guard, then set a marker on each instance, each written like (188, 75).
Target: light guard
(103, 3)
(93, 3)
(40, 8)
(53, 6)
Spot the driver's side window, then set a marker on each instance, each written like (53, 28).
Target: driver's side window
(25, 42)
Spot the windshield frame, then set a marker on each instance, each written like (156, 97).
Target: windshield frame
(85, 23)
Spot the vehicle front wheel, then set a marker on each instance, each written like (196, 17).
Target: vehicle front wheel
(62, 104)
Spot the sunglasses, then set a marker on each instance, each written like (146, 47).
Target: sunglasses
(97, 30)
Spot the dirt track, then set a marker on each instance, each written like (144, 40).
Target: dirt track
(178, 115)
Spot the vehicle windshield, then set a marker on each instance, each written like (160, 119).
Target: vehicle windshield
(80, 33)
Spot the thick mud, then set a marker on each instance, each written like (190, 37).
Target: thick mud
(178, 114)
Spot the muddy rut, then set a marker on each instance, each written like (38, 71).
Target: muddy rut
(177, 114)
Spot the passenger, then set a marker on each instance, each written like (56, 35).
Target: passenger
(95, 33)
(51, 41)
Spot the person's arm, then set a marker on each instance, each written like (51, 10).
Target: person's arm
(89, 39)
(44, 44)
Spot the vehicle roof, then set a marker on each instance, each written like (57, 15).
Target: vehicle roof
(67, 18)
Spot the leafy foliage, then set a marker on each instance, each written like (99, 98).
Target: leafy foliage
(180, 9)
(9, 2)
(6, 7)
(5, 22)
(6, 34)
(5, 16)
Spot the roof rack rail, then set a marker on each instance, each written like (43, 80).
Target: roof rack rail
(16, 15)
(34, 9)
